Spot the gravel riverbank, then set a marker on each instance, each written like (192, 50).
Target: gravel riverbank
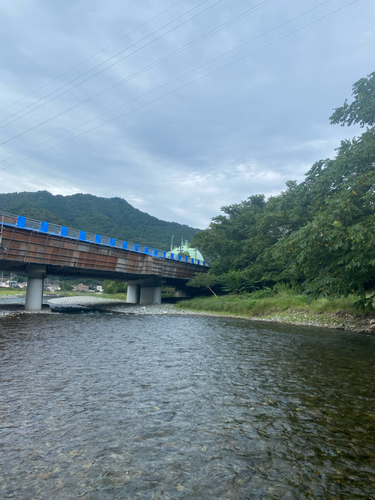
(336, 321)
(363, 324)
(119, 306)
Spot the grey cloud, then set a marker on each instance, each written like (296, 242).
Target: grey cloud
(242, 130)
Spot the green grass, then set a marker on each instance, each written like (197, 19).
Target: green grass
(12, 291)
(282, 302)
(112, 296)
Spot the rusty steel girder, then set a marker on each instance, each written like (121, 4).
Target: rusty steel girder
(65, 256)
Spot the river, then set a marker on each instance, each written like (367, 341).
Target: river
(126, 406)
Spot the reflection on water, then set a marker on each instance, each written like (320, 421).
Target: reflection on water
(163, 407)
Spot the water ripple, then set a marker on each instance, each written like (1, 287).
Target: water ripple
(103, 406)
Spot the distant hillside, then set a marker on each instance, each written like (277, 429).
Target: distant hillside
(113, 217)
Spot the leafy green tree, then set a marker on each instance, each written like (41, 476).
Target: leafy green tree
(204, 280)
(319, 233)
(113, 287)
(362, 109)
(234, 282)
(335, 251)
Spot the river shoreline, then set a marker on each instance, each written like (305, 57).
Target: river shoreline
(337, 321)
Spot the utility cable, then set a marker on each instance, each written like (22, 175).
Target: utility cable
(146, 68)
(186, 84)
(109, 66)
(91, 57)
(173, 80)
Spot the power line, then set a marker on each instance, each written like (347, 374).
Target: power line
(179, 77)
(146, 68)
(161, 86)
(109, 66)
(184, 85)
(91, 57)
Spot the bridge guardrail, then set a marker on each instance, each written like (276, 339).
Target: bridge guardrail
(66, 232)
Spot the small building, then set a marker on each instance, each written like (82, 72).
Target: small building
(81, 288)
(9, 284)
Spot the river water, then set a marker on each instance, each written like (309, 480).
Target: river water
(127, 406)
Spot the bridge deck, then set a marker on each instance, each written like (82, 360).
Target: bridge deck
(74, 255)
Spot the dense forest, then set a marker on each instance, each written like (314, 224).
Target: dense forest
(113, 217)
(318, 235)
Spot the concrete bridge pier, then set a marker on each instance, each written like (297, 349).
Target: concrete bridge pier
(150, 295)
(146, 291)
(132, 294)
(35, 281)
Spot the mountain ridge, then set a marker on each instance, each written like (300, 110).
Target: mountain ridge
(113, 217)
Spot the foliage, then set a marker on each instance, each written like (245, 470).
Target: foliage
(65, 286)
(269, 304)
(234, 282)
(184, 254)
(204, 280)
(112, 217)
(362, 109)
(319, 234)
(112, 287)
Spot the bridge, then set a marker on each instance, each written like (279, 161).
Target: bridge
(40, 248)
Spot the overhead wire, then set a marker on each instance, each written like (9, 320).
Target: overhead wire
(91, 57)
(184, 85)
(110, 65)
(146, 68)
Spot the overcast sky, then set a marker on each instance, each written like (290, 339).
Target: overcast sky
(190, 105)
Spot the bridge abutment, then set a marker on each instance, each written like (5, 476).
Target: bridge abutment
(34, 292)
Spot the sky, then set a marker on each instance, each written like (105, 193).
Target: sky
(179, 107)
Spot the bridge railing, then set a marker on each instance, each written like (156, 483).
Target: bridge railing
(66, 232)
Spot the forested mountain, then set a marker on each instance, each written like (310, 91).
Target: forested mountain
(113, 217)
(319, 233)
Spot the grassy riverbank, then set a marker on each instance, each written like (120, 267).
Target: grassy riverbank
(286, 307)
(12, 292)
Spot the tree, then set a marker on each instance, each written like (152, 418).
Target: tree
(362, 109)
(319, 233)
(335, 251)
(234, 282)
(204, 280)
(112, 287)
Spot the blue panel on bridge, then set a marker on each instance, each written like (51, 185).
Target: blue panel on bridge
(21, 221)
(42, 226)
